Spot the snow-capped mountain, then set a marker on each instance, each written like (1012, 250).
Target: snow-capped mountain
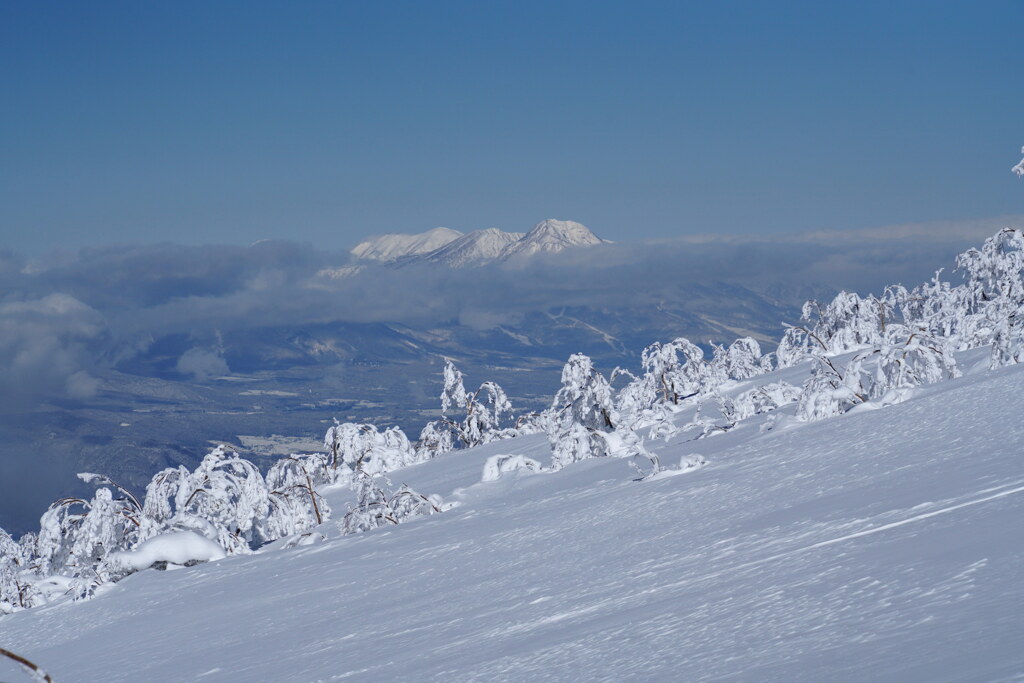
(477, 247)
(387, 248)
(552, 236)
(454, 249)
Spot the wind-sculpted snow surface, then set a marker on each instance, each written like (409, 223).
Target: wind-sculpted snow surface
(879, 545)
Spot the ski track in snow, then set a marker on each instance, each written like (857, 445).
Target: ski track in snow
(882, 545)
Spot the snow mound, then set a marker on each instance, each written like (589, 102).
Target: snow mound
(180, 547)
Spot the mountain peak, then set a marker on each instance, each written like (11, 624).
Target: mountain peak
(552, 235)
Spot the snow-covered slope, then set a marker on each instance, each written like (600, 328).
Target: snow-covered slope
(388, 248)
(552, 236)
(477, 247)
(882, 545)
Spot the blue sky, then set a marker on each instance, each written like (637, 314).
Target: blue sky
(323, 122)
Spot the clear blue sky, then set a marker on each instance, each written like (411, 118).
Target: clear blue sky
(201, 122)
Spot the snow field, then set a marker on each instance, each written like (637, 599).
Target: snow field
(880, 545)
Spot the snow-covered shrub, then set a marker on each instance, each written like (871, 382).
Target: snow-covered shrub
(829, 392)
(375, 507)
(847, 323)
(581, 414)
(295, 505)
(371, 508)
(486, 411)
(910, 360)
(677, 369)
(497, 465)
(406, 503)
(77, 535)
(225, 499)
(905, 360)
(764, 399)
(362, 446)
(743, 359)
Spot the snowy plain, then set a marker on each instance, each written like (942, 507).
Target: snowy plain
(880, 545)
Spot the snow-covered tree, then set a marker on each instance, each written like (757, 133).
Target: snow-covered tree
(1008, 339)
(435, 439)
(12, 566)
(454, 390)
(639, 415)
(484, 414)
(165, 491)
(994, 295)
(349, 443)
(795, 346)
(581, 414)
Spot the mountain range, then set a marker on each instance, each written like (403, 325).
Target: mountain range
(454, 249)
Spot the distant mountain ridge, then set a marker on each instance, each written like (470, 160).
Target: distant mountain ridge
(454, 249)
(474, 248)
(386, 248)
